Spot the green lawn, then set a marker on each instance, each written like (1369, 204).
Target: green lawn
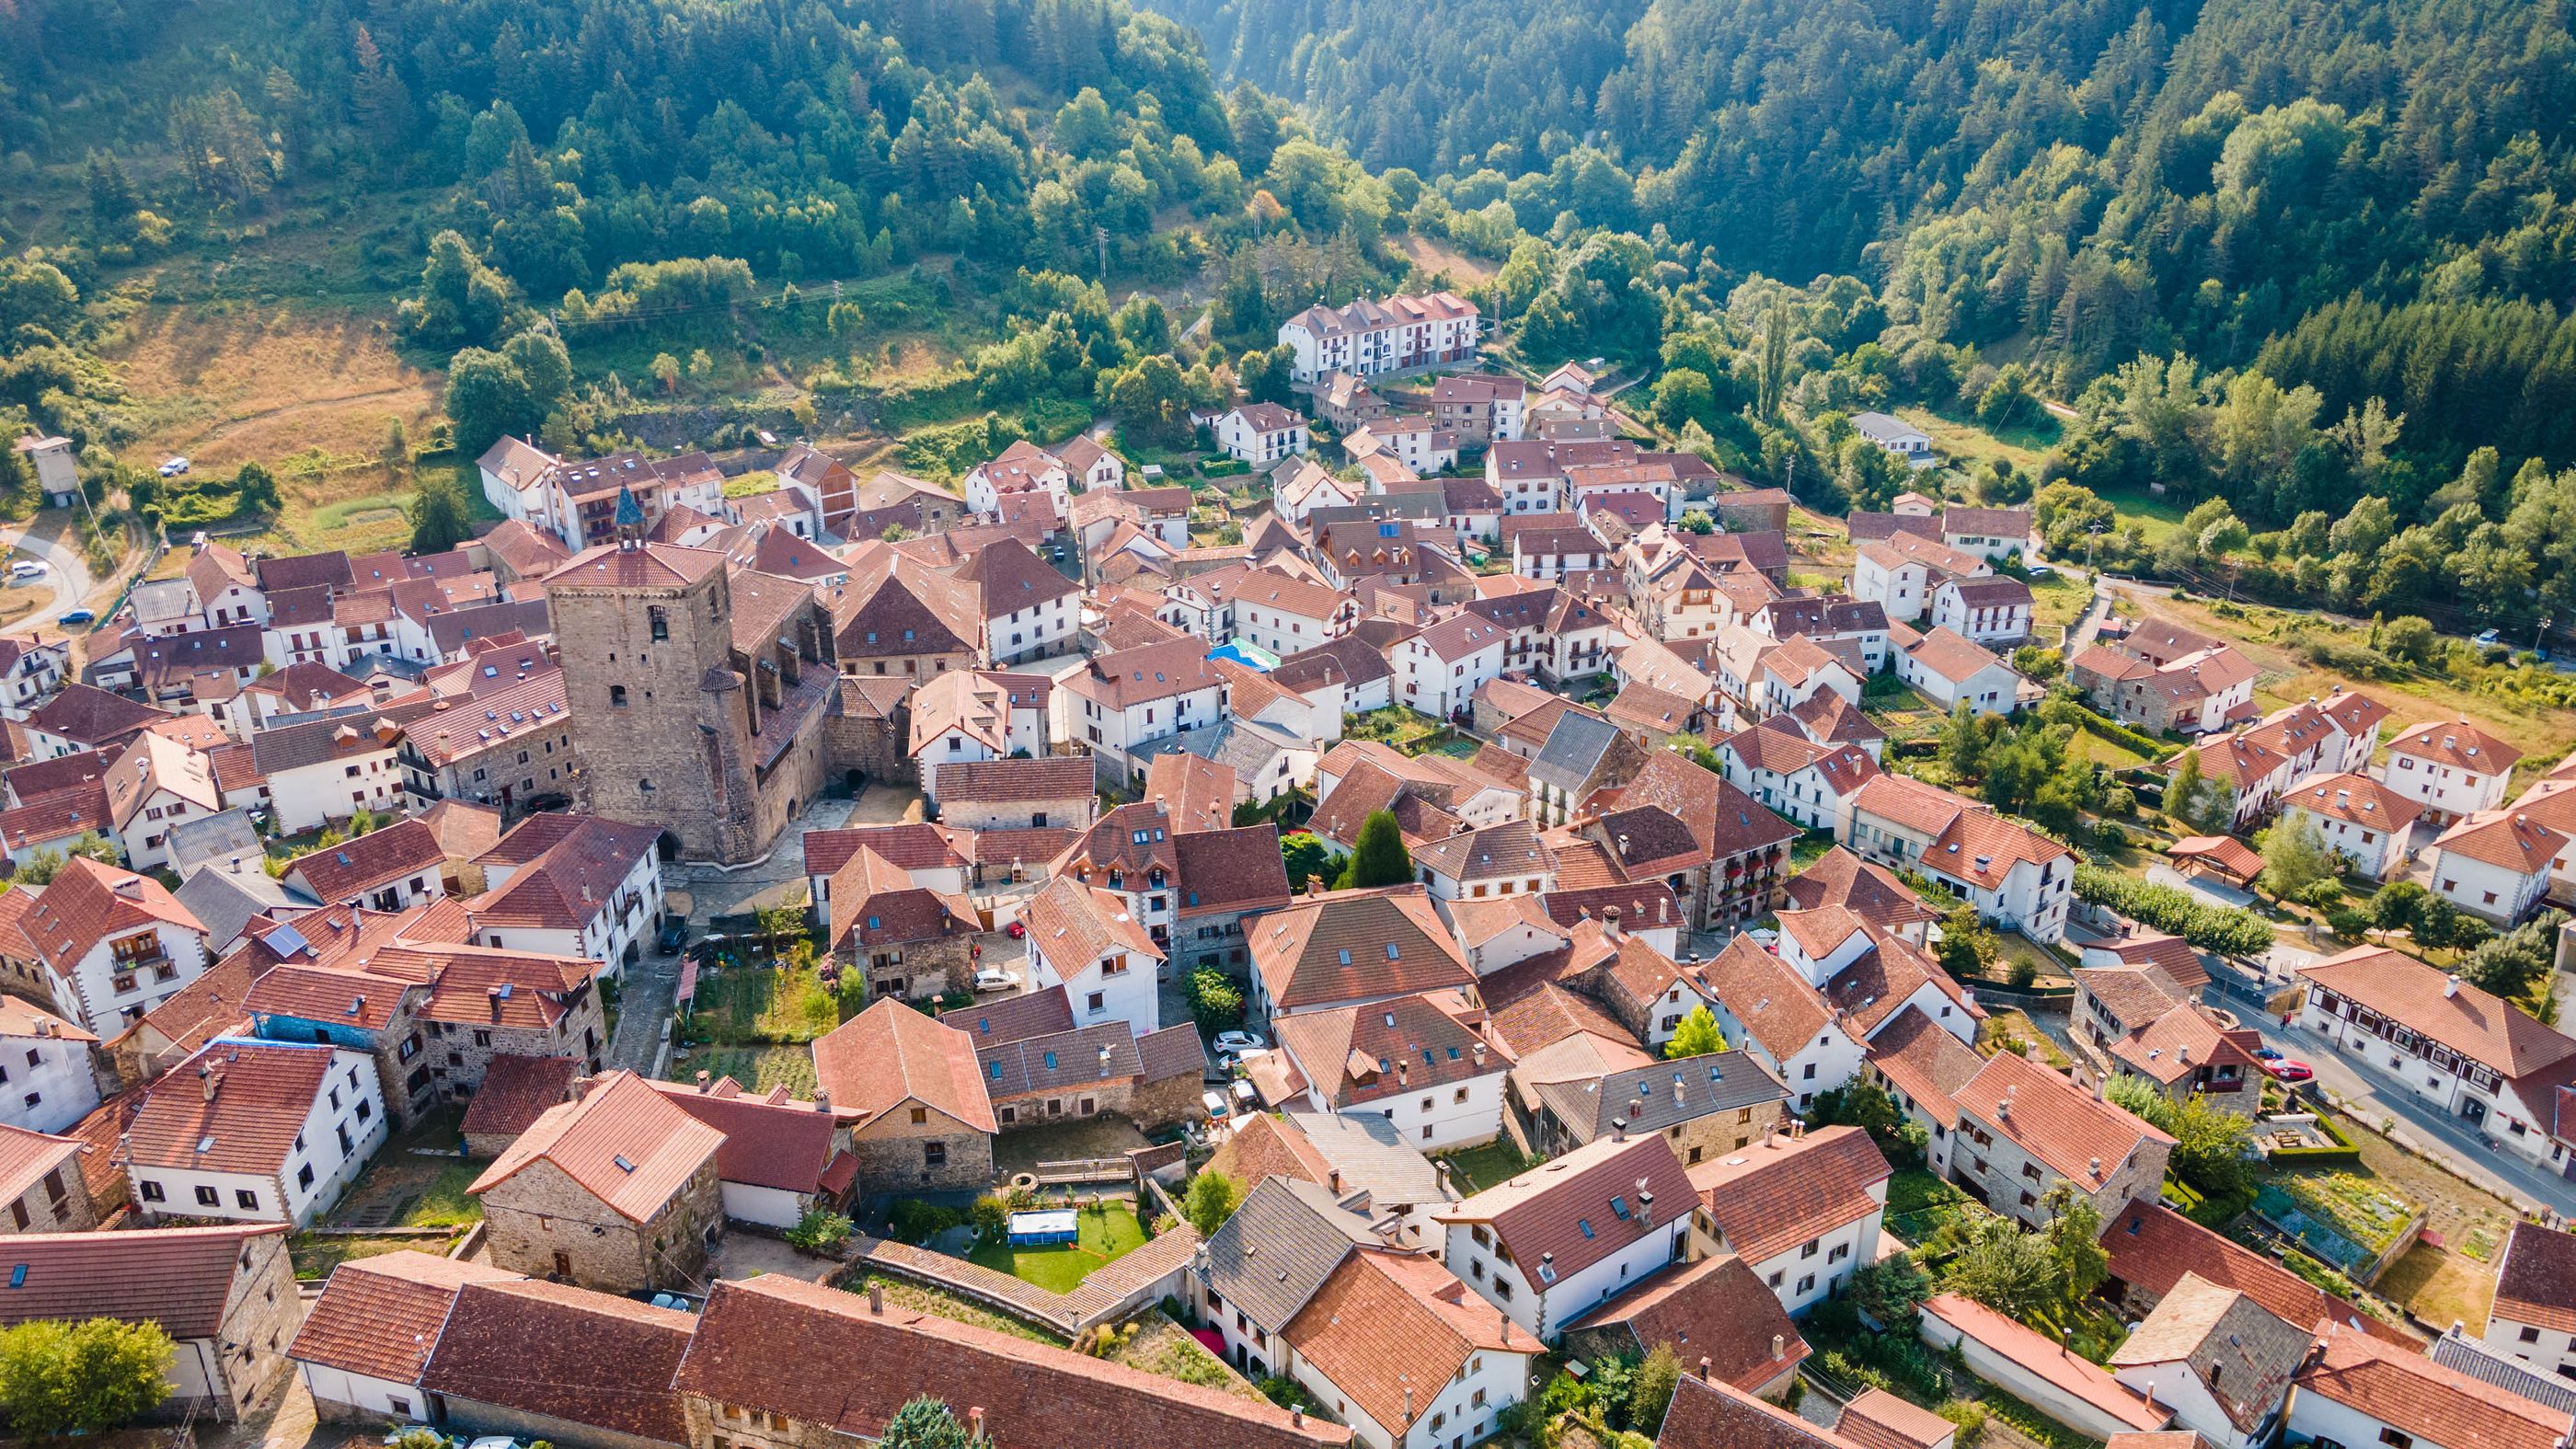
(314, 1256)
(445, 1203)
(2108, 753)
(1105, 1234)
(757, 1067)
(1474, 1169)
(1962, 442)
(2158, 517)
(2057, 602)
(904, 1293)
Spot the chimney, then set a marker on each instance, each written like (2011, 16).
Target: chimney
(876, 1298)
(2451, 985)
(1408, 1404)
(208, 1079)
(1779, 1348)
(704, 1080)
(1333, 1181)
(1477, 1050)
(1610, 922)
(975, 1425)
(492, 998)
(822, 1100)
(2093, 1167)
(1618, 1129)
(1677, 1089)
(1636, 1108)
(1706, 1367)
(1296, 1417)
(1314, 887)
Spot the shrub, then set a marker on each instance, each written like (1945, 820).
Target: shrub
(1970, 1416)
(2175, 911)
(820, 1231)
(991, 1214)
(915, 1221)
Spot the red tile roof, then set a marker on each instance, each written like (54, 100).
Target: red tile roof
(262, 1093)
(1711, 1414)
(1391, 1330)
(2058, 1366)
(2065, 1127)
(381, 1316)
(1770, 1197)
(621, 1142)
(177, 1277)
(1544, 1210)
(2414, 1395)
(1877, 1419)
(566, 1353)
(758, 1340)
(516, 1091)
(373, 860)
(1717, 1310)
(89, 902)
(1355, 945)
(890, 1054)
(2453, 1013)
(2536, 1278)
(770, 1140)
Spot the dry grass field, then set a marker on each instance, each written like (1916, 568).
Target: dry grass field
(239, 382)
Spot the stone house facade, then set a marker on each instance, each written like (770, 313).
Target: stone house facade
(543, 1223)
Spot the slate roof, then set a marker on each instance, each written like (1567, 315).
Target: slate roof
(2241, 1353)
(1673, 1091)
(1279, 1247)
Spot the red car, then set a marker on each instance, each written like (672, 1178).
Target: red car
(1016, 930)
(2288, 1069)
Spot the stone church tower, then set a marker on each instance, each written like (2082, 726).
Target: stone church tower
(696, 692)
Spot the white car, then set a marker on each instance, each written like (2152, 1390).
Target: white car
(27, 568)
(1214, 1102)
(1236, 1043)
(995, 979)
(173, 467)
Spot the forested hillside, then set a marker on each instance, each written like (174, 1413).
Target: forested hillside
(2099, 177)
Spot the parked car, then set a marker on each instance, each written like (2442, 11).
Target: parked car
(2289, 1069)
(28, 568)
(2269, 1054)
(2487, 639)
(674, 935)
(1236, 1043)
(1016, 929)
(994, 978)
(1215, 1103)
(173, 467)
(79, 616)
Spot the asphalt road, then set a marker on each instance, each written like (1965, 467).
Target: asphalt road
(2420, 1126)
(49, 536)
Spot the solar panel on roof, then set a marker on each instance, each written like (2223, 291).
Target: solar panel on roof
(286, 941)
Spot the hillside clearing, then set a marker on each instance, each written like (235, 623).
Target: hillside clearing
(227, 385)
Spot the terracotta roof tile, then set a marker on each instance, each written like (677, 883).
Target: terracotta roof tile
(2417, 1396)
(381, 1316)
(622, 1142)
(566, 1353)
(1391, 1330)
(1711, 1414)
(263, 1091)
(2151, 1247)
(757, 1340)
(2457, 1015)
(177, 1277)
(890, 1054)
(1776, 1194)
(1354, 945)
(2055, 1121)
(1582, 1207)
(2536, 1278)
(1716, 1309)
(516, 1091)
